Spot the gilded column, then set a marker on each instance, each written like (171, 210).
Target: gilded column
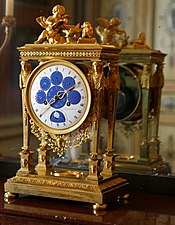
(98, 83)
(42, 168)
(145, 84)
(158, 83)
(25, 155)
(113, 84)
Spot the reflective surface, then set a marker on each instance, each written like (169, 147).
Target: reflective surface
(142, 208)
(129, 96)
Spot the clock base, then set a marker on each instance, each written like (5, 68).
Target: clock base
(77, 189)
(148, 166)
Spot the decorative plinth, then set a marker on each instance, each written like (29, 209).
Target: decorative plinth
(77, 189)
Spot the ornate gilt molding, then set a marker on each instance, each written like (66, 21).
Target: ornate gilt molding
(86, 52)
(43, 181)
(54, 182)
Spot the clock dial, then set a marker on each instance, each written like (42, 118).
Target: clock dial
(45, 83)
(41, 97)
(58, 96)
(56, 77)
(61, 101)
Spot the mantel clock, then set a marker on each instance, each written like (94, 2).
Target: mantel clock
(63, 99)
(139, 98)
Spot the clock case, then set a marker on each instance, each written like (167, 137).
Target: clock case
(100, 184)
(146, 66)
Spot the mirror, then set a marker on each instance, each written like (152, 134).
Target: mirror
(155, 18)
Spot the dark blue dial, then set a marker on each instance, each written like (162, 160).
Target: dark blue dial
(45, 83)
(57, 117)
(40, 97)
(56, 78)
(74, 97)
(61, 100)
(68, 82)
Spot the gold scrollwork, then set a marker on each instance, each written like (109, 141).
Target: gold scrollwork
(60, 143)
(80, 137)
(36, 130)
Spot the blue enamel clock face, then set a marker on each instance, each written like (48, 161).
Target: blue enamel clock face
(59, 96)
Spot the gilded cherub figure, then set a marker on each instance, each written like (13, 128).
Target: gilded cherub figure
(139, 42)
(110, 32)
(58, 31)
(87, 33)
(72, 33)
(53, 25)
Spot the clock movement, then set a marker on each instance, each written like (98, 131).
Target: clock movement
(63, 100)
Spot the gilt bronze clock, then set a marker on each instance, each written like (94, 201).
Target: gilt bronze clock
(138, 103)
(63, 101)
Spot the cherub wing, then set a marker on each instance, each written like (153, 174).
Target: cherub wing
(112, 27)
(71, 29)
(58, 25)
(102, 21)
(42, 21)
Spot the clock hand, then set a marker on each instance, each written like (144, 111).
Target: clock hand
(56, 97)
(59, 95)
(67, 91)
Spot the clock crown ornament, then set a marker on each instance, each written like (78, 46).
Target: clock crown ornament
(58, 31)
(111, 33)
